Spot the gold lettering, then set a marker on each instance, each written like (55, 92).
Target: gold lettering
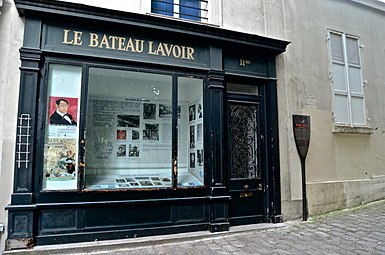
(160, 49)
(139, 45)
(183, 52)
(104, 42)
(168, 49)
(130, 45)
(150, 51)
(78, 38)
(65, 37)
(94, 40)
(190, 52)
(176, 51)
(121, 42)
(113, 40)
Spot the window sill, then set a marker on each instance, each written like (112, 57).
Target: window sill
(352, 130)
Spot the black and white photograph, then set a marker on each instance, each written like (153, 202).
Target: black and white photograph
(165, 111)
(151, 132)
(192, 137)
(121, 151)
(191, 111)
(149, 111)
(200, 157)
(199, 132)
(200, 111)
(128, 121)
(135, 135)
(192, 160)
(133, 150)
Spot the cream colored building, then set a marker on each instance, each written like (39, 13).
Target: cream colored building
(332, 71)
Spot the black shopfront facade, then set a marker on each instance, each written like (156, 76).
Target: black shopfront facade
(133, 125)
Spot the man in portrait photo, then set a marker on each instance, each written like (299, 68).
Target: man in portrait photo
(61, 116)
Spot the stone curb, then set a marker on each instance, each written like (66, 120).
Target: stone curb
(122, 244)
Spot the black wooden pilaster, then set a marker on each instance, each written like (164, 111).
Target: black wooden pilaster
(21, 209)
(215, 152)
(273, 163)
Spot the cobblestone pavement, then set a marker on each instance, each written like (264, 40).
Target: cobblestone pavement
(358, 231)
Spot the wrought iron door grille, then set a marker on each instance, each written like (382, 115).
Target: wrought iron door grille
(196, 10)
(243, 141)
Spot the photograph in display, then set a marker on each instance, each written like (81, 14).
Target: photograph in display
(62, 111)
(133, 150)
(135, 135)
(121, 134)
(192, 160)
(192, 137)
(165, 111)
(149, 111)
(200, 157)
(199, 133)
(200, 111)
(121, 151)
(192, 113)
(151, 132)
(128, 121)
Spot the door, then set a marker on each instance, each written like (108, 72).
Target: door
(244, 166)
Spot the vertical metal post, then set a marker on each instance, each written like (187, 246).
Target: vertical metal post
(304, 196)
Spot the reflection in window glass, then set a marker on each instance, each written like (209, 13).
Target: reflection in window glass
(129, 130)
(190, 132)
(61, 131)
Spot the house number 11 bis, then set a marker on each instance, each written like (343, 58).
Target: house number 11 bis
(244, 62)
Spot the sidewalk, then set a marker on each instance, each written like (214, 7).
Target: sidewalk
(353, 231)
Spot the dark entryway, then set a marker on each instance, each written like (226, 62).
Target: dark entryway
(245, 167)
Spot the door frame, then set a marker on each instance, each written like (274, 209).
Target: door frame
(259, 100)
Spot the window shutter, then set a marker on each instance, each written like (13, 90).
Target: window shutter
(336, 47)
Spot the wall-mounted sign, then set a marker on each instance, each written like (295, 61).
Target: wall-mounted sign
(128, 44)
(301, 127)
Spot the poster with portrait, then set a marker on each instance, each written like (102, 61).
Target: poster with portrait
(63, 111)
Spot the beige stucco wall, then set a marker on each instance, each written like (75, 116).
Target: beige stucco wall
(343, 170)
(11, 30)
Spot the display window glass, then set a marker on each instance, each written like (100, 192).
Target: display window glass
(61, 128)
(142, 130)
(190, 127)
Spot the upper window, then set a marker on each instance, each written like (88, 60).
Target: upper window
(186, 9)
(348, 92)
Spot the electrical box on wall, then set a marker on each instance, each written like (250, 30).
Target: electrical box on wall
(1, 228)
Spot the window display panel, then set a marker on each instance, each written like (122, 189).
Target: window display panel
(190, 133)
(128, 130)
(61, 130)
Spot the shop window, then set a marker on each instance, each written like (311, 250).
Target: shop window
(348, 96)
(187, 9)
(61, 130)
(190, 127)
(130, 130)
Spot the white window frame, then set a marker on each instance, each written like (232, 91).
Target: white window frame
(347, 92)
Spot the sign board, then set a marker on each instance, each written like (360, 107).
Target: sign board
(301, 127)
